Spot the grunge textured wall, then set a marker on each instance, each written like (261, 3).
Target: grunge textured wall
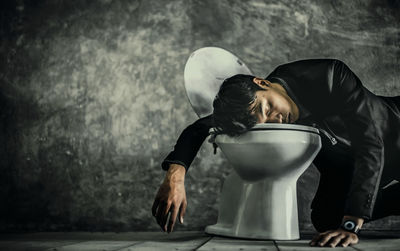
(92, 97)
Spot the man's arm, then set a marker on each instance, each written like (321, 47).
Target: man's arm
(355, 104)
(189, 143)
(171, 196)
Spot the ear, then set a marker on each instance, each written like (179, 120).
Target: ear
(261, 82)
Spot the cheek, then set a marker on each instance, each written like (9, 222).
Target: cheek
(281, 103)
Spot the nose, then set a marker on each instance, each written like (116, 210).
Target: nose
(276, 118)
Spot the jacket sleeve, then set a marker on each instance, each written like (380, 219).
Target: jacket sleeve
(189, 143)
(354, 105)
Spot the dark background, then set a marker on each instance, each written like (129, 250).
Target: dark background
(92, 98)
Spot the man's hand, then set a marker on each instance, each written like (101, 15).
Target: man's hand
(170, 198)
(334, 237)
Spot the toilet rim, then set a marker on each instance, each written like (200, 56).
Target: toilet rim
(277, 126)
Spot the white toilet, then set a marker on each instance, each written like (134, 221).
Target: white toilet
(258, 199)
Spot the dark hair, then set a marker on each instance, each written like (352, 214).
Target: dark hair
(231, 105)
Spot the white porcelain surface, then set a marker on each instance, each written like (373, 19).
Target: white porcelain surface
(258, 200)
(205, 70)
(275, 150)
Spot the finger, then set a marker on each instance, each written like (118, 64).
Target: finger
(350, 240)
(335, 240)
(327, 237)
(160, 209)
(182, 211)
(320, 235)
(326, 232)
(354, 240)
(172, 220)
(164, 216)
(315, 239)
(346, 241)
(154, 207)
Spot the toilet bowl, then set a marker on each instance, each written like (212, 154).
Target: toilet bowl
(258, 199)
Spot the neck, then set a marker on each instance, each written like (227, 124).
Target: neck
(279, 87)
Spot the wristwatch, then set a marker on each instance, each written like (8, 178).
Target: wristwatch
(350, 226)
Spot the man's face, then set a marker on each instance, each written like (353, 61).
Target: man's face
(273, 104)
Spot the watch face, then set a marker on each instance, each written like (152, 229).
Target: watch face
(349, 225)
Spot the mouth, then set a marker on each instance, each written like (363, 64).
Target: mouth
(288, 120)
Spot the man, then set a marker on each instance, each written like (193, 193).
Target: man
(359, 161)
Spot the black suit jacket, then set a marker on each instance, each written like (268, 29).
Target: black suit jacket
(336, 100)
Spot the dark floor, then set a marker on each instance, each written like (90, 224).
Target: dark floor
(188, 240)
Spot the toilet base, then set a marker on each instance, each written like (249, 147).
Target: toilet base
(226, 230)
(264, 210)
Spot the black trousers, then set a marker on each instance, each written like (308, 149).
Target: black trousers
(335, 164)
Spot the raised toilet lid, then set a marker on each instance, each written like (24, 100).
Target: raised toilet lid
(205, 70)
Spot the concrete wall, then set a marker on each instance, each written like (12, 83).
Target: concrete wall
(92, 97)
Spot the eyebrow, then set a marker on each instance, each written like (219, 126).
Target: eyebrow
(258, 107)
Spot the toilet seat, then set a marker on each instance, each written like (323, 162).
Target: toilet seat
(276, 126)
